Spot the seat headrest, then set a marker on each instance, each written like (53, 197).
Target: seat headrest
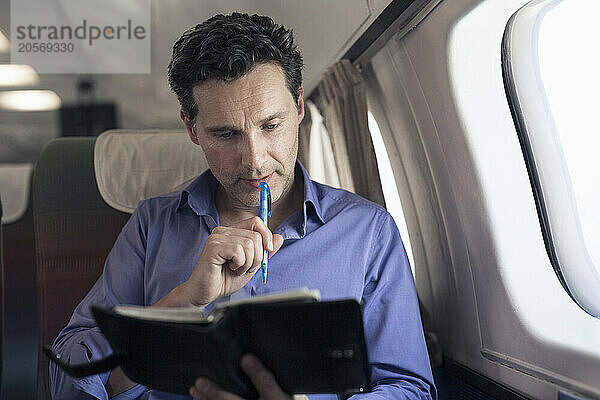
(133, 165)
(15, 184)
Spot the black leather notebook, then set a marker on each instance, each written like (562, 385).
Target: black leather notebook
(311, 347)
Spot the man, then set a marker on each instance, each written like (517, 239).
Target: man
(238, 80)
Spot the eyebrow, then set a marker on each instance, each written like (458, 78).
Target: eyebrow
(226, 128)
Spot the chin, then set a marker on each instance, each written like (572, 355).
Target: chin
(248, 199)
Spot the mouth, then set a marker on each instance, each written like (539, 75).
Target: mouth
(256, 182)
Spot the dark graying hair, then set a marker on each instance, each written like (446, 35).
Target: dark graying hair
(227, 47)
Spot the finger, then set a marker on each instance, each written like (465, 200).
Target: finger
(262, 379)
(257, 224)
(242, 232)
(224, 250)
(206, 389)
(195, 394)
(248, 247)
(254, 255)
(277, 243)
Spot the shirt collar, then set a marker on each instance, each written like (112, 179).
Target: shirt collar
(310, 194)
(199, 195)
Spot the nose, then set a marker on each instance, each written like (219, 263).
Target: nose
(253, 151)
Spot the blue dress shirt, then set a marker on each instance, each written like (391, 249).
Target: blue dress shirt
(339, 243)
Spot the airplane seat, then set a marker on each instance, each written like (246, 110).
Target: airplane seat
(1, 301)
(84, 190)
(74, 231)
(132, 165)
(19, 292)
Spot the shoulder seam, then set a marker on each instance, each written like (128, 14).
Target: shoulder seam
(360, 201)
(377, 235)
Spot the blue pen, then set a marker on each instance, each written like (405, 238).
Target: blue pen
(265, 214)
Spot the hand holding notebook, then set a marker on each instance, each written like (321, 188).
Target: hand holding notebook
(262, 379)
(309, 346)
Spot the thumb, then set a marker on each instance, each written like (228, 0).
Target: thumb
(277, 243)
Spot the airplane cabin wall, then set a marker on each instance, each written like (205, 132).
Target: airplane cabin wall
(482, 271)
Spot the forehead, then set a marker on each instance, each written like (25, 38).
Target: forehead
(262, 90)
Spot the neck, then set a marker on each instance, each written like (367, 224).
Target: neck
(288, 203)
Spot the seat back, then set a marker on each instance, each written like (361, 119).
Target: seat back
(19, 294)
(1, 304)
(74, 231)
(132, 165)
(79, 184)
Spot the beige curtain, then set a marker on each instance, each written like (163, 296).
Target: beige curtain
(343, 93)
(321, 162)
(314, 147)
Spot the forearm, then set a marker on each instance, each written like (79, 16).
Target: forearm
(175, 298)
(118, 382)
(178, 297)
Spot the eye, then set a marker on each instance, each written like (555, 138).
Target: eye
(271, 126)
(226, 135)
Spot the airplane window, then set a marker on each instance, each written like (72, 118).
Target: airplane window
(388, 184)
(551, 69)
(574, 103)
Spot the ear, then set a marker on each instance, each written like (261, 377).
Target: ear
(301, 104)
(189, 127)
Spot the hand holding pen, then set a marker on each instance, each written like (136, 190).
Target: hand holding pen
(230, 258)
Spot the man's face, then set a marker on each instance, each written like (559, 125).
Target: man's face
(248, 129)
